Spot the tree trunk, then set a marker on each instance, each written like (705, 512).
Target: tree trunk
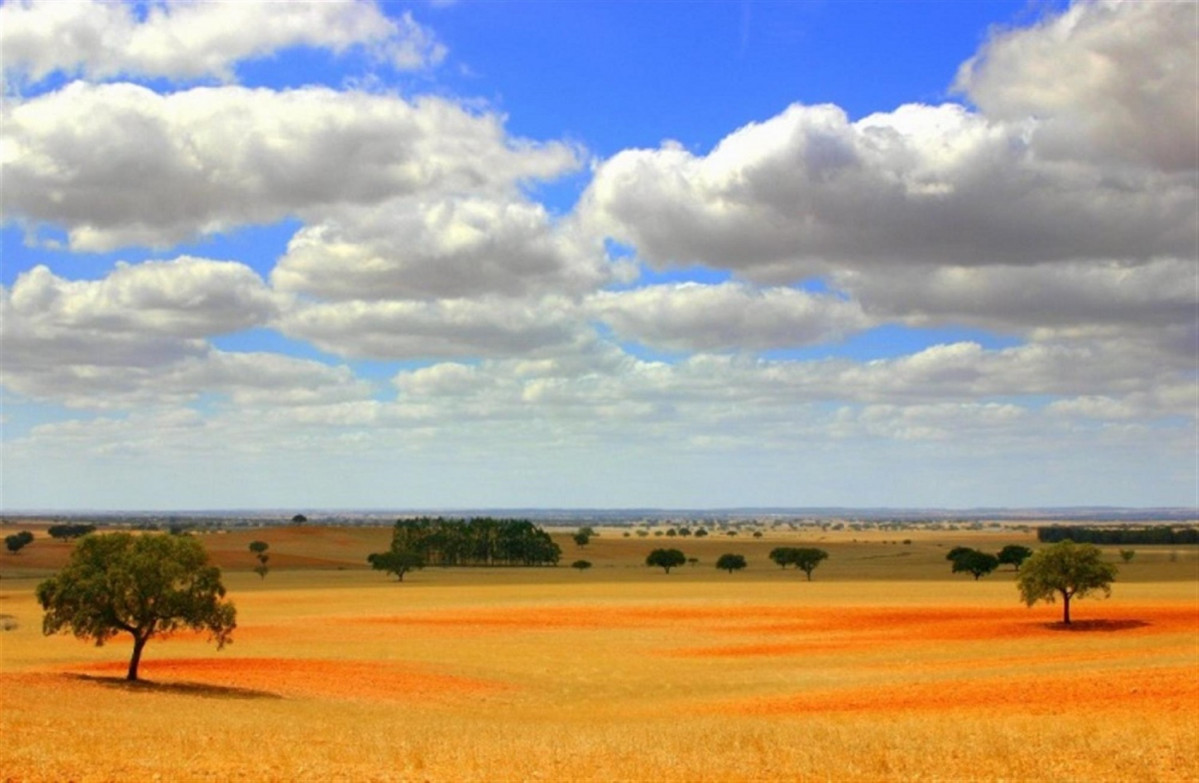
(138, 643)
(1066, 608)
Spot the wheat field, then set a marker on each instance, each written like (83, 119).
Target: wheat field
(884, 667)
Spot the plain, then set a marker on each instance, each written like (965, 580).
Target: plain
(884, 667)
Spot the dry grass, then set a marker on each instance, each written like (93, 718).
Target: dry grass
(624, 673)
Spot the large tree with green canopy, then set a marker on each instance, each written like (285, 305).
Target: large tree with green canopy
(1066, 569)
(143, 585)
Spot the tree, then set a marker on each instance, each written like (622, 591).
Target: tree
(665, 558)
(143, 585)
(806, 559)
(299, 519)
(18, 541)
(783, 555)
(1066, 569)
(398, 562)
(974, 562)
(730, 563)
(259, 549)
(1127, 555)
(1014, 555)
(581, 565)
(581, 539)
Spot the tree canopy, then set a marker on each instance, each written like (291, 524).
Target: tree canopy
(1066, 569)
(18, 541)
(730, 563)
(665, 559)
(973, 562)
(143, 585)
(1014, 554)
(807, 558)
(396, 562)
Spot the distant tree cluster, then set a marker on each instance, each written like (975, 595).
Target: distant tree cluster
(480, 541)
(259, 549)
(1153, 534)
(67, 532)
(978, 564)
(804, 558)
(18, 541)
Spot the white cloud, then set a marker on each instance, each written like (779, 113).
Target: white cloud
(1073, 294)
(119, 164)
(409, 248)
(808, 189)
(138, 336)
(490, 326)
(1108, 81)
(185, 40)
(728, 316)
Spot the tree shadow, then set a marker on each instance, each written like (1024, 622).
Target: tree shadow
(1096, 626)
(200, 689)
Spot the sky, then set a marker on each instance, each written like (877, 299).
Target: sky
(440, 255)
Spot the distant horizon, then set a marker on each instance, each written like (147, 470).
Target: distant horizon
(1013, 512)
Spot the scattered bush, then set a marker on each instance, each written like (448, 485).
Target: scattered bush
(730, 563)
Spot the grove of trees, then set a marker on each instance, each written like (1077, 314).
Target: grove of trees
(1152, 534)
(480, 541)
(143, 585)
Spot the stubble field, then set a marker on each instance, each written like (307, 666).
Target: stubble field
(884, 667)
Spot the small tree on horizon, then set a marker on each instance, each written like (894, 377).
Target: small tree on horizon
(665, 559)
(807, 558)
(974, 562)
(730, 563)
(396, 562)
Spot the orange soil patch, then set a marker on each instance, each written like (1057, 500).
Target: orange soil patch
(341, 680)
(1155, 690)
(828, 630)
(862, 624)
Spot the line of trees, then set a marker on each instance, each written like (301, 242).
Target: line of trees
(480, 541)
(1155, 534)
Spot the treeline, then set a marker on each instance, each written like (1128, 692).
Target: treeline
(480, 541)
(1156, 534)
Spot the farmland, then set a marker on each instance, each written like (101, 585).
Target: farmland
(885, 666)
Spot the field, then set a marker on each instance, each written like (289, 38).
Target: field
(883, 667)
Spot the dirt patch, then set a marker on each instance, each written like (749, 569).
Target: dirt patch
(297, 678)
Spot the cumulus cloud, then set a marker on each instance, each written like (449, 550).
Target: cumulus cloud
(1074, 294)
(808, 189)
(413, 329)
(119, 164)
(182, 39)
(728, 316)
(139, 335)
(451, 247)
(1108, 81)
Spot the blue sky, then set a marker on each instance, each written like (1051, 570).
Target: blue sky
(711, 254)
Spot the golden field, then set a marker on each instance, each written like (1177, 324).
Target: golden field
(884, 667)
